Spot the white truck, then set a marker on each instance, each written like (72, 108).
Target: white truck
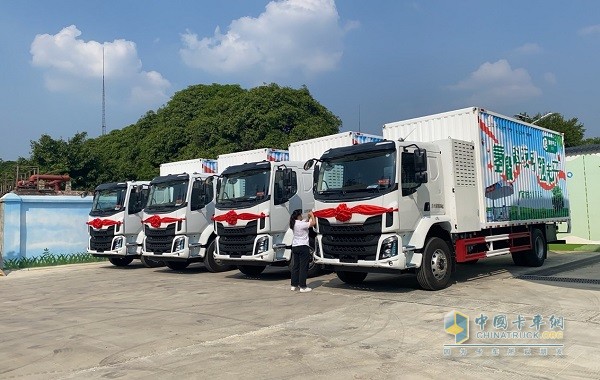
(177, 218)
(257, 193)
(470, 184)
(115, 222)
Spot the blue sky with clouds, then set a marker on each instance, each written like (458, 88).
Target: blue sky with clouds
(369, 62)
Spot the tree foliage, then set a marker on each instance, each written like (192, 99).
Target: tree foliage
(201, 121)
(573, 130)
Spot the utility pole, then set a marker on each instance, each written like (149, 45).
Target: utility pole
(103, 97)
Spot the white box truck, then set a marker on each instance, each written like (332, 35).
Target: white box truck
(177, 218)
(443, 189)
(256, 198)
(115, 222)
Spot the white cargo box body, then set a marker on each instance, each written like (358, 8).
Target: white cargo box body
(197, 165)
(313, 148)
(519, 167)
(248, 156)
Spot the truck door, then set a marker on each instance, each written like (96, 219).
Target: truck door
(285, 186)
(413, 199)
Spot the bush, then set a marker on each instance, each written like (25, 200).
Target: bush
(50, 259)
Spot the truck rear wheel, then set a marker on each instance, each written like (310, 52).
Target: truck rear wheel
(351, 277)
(149, 263)
(177, 265)
(537, 255)
(120, 261)
(213, 265)
(251, 270)
(436, 266)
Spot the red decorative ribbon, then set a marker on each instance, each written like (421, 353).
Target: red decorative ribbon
(232, 217)
(344, 214)
(155, 220)
(99, 223)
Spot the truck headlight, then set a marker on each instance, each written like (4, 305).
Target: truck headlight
(117, 243)
(389, 248)
(262, 245)
(179, 244)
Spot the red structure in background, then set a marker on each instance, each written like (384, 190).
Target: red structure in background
(44, 182)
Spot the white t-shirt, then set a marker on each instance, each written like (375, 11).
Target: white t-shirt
(300, 233)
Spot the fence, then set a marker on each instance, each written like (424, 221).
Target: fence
(29, 224)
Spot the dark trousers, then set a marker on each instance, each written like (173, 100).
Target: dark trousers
(300, 260)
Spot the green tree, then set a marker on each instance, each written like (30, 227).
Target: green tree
(201, 121)
(573, 130)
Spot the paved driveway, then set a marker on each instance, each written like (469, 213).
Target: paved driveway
(99, 321)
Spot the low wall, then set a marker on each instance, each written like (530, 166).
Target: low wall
(29, 224)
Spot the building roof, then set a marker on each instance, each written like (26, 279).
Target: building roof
(582, 149)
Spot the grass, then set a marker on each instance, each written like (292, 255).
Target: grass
(574, 247)
(50, 259)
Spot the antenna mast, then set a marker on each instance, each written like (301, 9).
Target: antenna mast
(103, 98)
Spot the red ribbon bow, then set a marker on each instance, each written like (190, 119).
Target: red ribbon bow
(155, 220)
(343, 213)
(99, 223)
(232, 217)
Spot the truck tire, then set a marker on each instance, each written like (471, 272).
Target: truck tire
(436, 268)
(177, 265)
(213, 265)
(519, 258)
(351, 277)
(149, 263)
(537, 255)
(314, 270)
(120, 261)
(251, 270)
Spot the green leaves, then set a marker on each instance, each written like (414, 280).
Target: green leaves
(201, 121)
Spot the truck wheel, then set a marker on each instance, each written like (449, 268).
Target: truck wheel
(213, 265)
(177, 265)
(519, 258)
(436, 266)
(314, 270)
(120, 261)
(251, 270)
(351, 277)
(149, 263)
(537, 255)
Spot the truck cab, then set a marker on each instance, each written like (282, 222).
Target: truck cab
(115, 222)
(177, 221)
(252, 212)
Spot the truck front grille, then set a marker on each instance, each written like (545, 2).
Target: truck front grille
(237, 241)
(159, 240)
(100, 240)
(351, 242)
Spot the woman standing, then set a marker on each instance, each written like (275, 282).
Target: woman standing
(300, 249)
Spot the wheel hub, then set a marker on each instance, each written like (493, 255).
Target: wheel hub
(439, 264)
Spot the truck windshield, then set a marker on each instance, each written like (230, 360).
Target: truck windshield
(108, 201)
(363, 175)
(244, 188)
(166, 196)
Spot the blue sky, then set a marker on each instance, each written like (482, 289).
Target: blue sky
(369, 62)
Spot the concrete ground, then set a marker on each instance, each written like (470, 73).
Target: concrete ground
(96, 321)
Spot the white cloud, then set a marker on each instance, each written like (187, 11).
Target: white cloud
(529, 48)
(72, 64)
(497, 83)
(592, 29)
(290, 36)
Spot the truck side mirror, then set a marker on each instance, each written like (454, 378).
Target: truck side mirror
(287, 178)
(309, 164)
(420, 160)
